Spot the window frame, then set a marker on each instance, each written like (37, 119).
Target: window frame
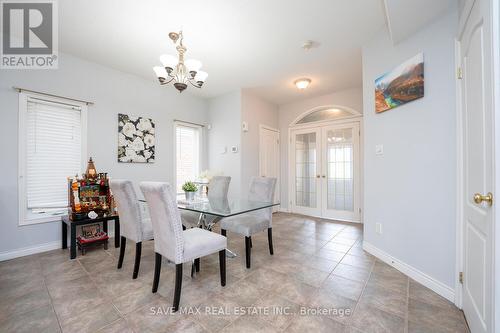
(178, 123)
(24, 218)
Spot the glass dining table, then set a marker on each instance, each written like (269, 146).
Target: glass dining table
(211, 211)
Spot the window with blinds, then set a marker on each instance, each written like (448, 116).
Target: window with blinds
(53, 152)
(188, 154)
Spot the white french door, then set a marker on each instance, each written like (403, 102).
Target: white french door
(306, 176)
(326, 171)
(340, 181)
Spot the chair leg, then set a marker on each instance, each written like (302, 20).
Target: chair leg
(156, 279)
(178, 286)
(247, 250)
(197, 264)
(138, 250)
(222, 264)
(251, 245)
(270, 240)
(223, 232)
(123, 242)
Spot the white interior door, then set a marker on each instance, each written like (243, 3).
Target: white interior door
(269, 157)
(306, 158)
(476, 88)
(340, 172)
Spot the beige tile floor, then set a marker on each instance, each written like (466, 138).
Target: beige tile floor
(317, 265)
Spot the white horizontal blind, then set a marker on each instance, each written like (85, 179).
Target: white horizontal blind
(53, 152)
(188, 154)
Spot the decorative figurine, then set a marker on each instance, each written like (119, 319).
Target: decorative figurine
(92, 215)
(91, 172)
(89, 193)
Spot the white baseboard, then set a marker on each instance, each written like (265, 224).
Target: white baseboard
(320, 217)
(417, 275)
(26, 251)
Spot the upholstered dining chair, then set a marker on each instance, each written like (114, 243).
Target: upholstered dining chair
(248, 224)
(217, 189)
(134, 224)
(177, 245)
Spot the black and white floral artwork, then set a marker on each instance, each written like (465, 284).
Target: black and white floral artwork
(136, 139)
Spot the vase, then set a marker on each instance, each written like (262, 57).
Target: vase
(189, 195)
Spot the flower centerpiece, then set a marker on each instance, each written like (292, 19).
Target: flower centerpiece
(189, 189)
(204, 179)
(205, 176)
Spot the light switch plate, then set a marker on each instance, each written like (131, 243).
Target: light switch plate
(379, 150)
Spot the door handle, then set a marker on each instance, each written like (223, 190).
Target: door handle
(317, 176)
(488, 198)
(323, 176)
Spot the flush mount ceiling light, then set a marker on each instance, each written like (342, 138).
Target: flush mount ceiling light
(302, 83)
(177, 70)
(310, 44)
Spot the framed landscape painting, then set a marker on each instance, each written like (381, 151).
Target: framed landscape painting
(403, 84)
(136, 139)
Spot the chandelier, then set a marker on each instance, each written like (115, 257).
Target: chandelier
(177, 70)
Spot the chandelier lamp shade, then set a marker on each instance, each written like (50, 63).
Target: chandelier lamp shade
(177, 70)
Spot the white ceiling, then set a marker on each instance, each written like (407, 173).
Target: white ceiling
(407, 17)
(253, 44)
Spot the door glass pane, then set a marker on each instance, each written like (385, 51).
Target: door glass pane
(305, 170)
(325, 114)
(340, 169)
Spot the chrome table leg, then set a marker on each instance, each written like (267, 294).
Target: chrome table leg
(229, 253)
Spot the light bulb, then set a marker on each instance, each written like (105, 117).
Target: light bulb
(168, 61)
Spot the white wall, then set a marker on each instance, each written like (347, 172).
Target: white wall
(113, 92)
(255, 111)
(411, 188)
(226, 114)
(225, 132)
(352, 98)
